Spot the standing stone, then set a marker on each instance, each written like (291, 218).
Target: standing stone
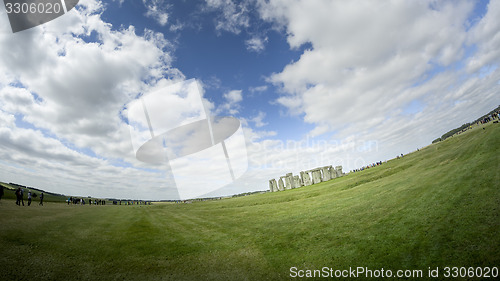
(288, 182)
(273, 186)
(281, 187)
(320, 174)
(297, 182)
(316, 176)
(289, 179)
(326, 173)
(338, 169)
(306, 180)
(333, 173)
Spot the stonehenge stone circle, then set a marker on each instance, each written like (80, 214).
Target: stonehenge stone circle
(306, 178)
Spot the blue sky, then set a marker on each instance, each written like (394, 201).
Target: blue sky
(313, 83)
(219, 58)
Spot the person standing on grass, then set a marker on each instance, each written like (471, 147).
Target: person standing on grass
(1, 191)
(41, 199)
(19, 196)
(29, 198)
(18, 200)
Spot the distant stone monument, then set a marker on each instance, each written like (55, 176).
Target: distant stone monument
(306, 178)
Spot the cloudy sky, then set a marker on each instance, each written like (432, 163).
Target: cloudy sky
(313, 83)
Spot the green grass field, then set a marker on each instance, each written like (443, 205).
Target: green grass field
(434, 208)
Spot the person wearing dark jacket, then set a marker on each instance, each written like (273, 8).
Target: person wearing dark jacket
(19, 196)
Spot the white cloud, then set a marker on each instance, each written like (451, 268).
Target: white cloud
(232, 102)
(486, 35)
(176, 27)
(367, 62)
(46, 163)
(67, 95)
(256, 44)
(258, 120)
(258, 89)
(234, 96)
(60, 102)
(234, 14)
(213, 82)
(6, 119)
(156, 9)
(365, 57)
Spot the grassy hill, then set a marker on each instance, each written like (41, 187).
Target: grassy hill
(434, 208)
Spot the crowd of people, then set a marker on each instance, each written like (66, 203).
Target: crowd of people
(20, 193)
(81, 201)
(490, 117)
(370, 166)
(136, 202)
(495, 117)
(20, 197)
